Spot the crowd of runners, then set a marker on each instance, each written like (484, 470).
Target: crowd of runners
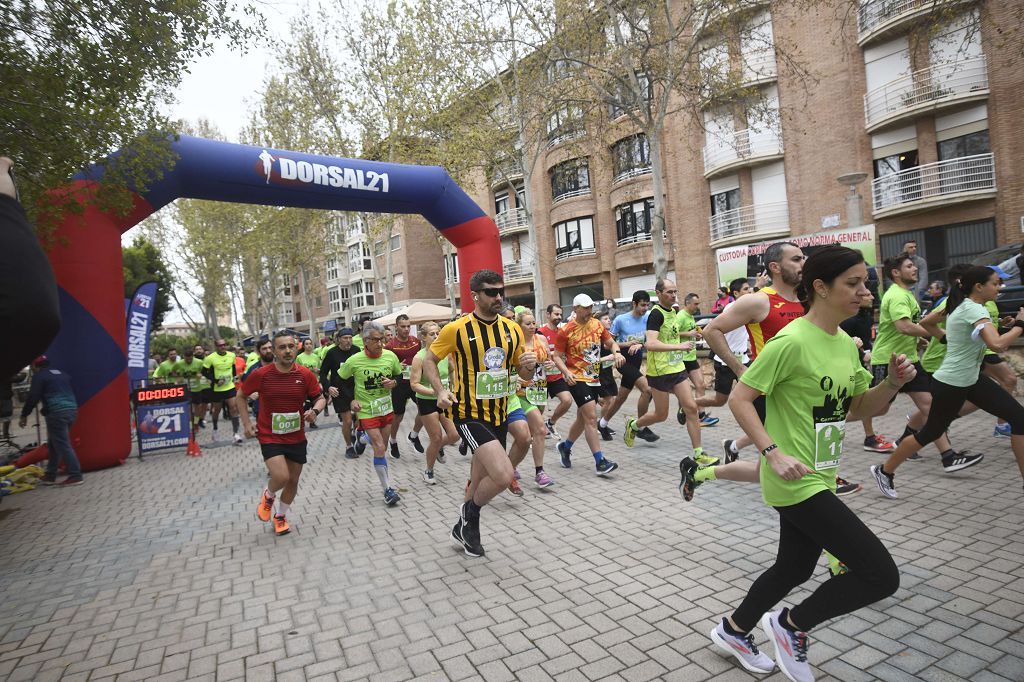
(782, 362)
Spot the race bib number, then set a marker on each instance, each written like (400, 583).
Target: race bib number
(285, 422)
(223, 379)
(492, 384)
(675, 357)
(406, 371)
(379, 407)
(828, 449)
(537, 396)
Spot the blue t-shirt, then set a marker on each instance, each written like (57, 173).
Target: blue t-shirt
(629, 327)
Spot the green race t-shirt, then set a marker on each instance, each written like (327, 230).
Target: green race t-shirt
(963, 354)
(442, 369)
(686, 323)
(169, 370)
(310, 361)
(993, 313)
(897, 304)
(810, 378)
(659, 363)
(933, 355)
(192, 373)
(223, 370)
(369, 373)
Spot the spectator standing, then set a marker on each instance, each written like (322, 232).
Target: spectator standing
(53, 388)
(910, 248)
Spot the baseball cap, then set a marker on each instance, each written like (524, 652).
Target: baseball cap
(999, 271)
(583, 301)
(344, 331)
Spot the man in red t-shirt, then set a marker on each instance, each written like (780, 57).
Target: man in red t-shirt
(405, 346)
(557, 388)
(283, 388)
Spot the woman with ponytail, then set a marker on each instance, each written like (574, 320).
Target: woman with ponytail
(811, 376)
(969, 331)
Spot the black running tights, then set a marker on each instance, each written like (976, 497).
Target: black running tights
(985, 393)
(821, 522)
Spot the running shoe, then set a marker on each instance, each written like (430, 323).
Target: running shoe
(360, 442)
(844, 487)
(743, 648)
(790, 648)
(214, 436)
(708, 420)
(648, 435)
(878, 443)
(313, 425)
(70, 481)
(687, 486)
(202, 423)
(428, 477)
(886, 482)
(565, 454)
(706, 460)
(515, 475)
(515, 488)
(350, 452)
(456, 534)
(391, 497)
(960, 460)
(440, 455)
(605, 466)
(47, 479)
(237, 438)
(1001, 431)
(395, 454)
(552, 431)
(470, 534)
(543, 480)
(281, 526)
(265, 509)
(463, 448)
(681, 417)
(415, 440)
(731, 453)
(606, 432)
(629, 436)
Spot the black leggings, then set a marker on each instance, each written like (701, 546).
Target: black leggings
(985, 393)
(822, 521)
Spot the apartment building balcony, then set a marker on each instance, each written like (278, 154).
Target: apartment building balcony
(933, 185)
(449, 279)
(560, 137)
(747, 223)
(517, 272)
(718, 10)
(511, 221)
(940, 86)
(507, 172)
(877, 19)
(743, 148)
(574, 252)
(570, 194)
(631, 173)
(759, 67)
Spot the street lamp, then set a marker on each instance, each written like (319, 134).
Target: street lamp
(854, 201)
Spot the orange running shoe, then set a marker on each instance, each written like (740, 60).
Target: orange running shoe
(515, 489)
(266, 506)
(281, 526)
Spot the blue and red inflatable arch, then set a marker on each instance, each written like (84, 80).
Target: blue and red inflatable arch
(86, 257)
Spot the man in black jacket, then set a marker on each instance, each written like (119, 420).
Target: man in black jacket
(342, 391)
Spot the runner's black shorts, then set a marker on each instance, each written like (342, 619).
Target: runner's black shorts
(222, 396)
(992, 359)
(630, 374)
(343, 402)
(207, 394)
(922, 383)
(583, 393)
(557, 386)
(477, 433)
(293, 452)
(199, 397)
(607, 389)
(426, 405)
(724, 378)
(691, 365)
(402, 392)
(666, 382)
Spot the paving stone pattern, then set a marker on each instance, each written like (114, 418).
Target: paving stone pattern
(159, 570)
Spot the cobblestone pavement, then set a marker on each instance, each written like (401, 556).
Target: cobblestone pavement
(159, 570)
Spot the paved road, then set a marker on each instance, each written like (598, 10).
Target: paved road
(159, 570)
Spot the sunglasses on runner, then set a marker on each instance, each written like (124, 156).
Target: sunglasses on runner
(493, 292)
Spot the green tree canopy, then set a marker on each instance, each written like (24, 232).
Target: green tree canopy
(143, 262)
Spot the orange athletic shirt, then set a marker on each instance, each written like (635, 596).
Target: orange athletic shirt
(780, 313)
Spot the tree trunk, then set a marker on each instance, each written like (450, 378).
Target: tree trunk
(308, 300)
(660, 262)
(531, 232)
(210, 313)
(449, 279)
(389, 276)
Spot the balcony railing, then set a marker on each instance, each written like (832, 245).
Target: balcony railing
(558, 137)
(943, 182)
(563, 254)
(930, 88)
(759, 67)
(506, 172)
(571, 194)
(876, 17)
(516, 272)
(511, 221)
(448, 279)
(630, 173)
(741, 148)
(758, 220)
(636, 238)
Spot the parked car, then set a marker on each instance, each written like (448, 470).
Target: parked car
(1011, 297)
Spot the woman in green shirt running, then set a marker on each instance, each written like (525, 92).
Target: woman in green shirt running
(813, 381)
(440, 428)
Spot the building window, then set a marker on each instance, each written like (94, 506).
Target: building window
(343, 295)
(451, 268)
(396, 242)
(359, 258)
(565, 123)
(362, 291)
(398, 281)
(334, 301)
(965, 145)
(332, 268)
(287, 316)
(897, 187)
(631, 157)
(574, 237)
(318, 301)
(633, 221)
(570, 179)
(626, 98)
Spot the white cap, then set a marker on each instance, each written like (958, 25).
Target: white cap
(583, 301)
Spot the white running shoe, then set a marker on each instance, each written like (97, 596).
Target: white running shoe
(744, 649)
(790, 648)
(237, 439)
(886, 482)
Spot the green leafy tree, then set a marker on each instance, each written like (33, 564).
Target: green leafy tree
(144, 262)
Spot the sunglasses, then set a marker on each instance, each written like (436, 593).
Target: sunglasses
(493, 292)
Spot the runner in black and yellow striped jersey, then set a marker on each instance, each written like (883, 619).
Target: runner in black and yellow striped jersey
(485, 350)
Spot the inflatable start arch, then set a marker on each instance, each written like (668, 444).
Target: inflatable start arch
(87, 255)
